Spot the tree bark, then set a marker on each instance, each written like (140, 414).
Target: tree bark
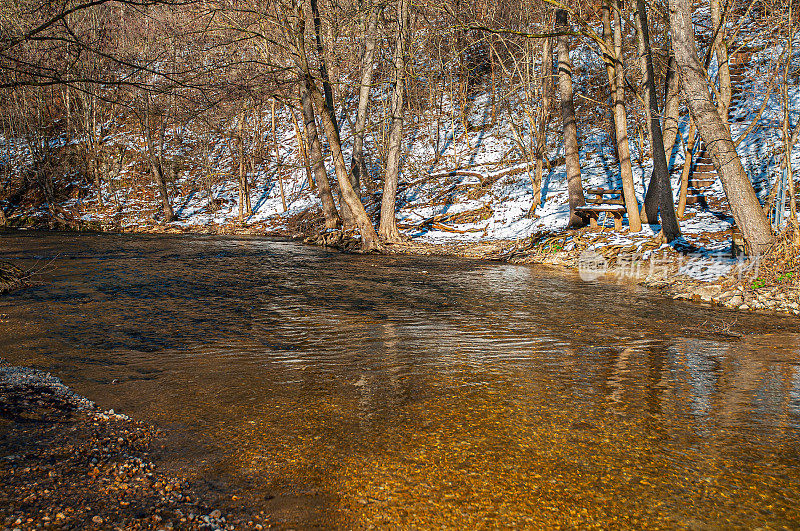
(277, 159)
(358, 167)
(621, 117)
(723, 64)
(687, 168)
(369, 238)
(661, 197)
(787, 140)
(301, 147)
(672, 108)
(388, 224)
(713, 130)
(323, 67)
(332, 220)
(546, 83)
(569, 126)
(155, 164)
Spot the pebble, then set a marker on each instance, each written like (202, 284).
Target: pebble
(216, 513)
(97, 519)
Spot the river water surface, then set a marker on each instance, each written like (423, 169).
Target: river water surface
(347, 391)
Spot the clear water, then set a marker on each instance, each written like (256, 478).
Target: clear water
(335, 390)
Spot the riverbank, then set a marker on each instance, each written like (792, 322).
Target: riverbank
(67, 464)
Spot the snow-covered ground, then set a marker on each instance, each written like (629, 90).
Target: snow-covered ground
(477, 187)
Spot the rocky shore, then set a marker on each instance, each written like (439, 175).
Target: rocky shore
(66, 464)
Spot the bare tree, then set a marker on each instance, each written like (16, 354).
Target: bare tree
(358, 167)
(388, 224)
(747, 212)
(369, 238)
(332, 220)
(616, 79)
(574, 186)
(662, 197)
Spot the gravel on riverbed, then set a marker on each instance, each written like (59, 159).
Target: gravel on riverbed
(65, 464)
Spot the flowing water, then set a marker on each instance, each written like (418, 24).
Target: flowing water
(347, 391)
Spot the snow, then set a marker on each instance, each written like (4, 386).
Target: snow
(479, 180)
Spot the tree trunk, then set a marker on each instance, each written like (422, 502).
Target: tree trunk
(723, 65)
(323, 67)
(613, 60)
(543, 118)
(369, 238)
(277, 159)
(571, 153)
(621, 127)
(301, 147)
(672, 108)
(358, 167)
(388, 225)
(155, 164)
(687, 168)
(661, 197)
(332, 220)
(787, 140)
(716, 136)
(243, 191)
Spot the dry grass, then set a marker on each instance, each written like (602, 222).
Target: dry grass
(780, 265)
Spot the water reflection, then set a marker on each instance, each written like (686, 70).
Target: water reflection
(351, 390)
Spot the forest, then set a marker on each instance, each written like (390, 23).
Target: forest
(361, 118)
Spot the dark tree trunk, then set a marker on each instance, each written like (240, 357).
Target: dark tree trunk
(661, 197)
(369, 238)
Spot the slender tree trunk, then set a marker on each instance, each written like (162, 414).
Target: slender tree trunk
(245, 181)
(158, 174)
(621, 127)
(301, 148)
(662, 197)
(723, 63)
(277, 155)
(716, 136)
(323, 66)
(155, 162)
(571, 152)
(332, 220)
(369, 238)
(787, 141)
(546, 83)
(388, 225)
(358, 167)
(240, 145)
(671, 108)
(687, 168)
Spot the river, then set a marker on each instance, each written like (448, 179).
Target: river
(344, 391)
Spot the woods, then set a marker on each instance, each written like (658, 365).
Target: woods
(109, 102)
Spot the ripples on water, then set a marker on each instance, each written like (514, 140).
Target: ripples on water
(343, 390)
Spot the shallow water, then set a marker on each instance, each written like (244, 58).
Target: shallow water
(345, 391)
